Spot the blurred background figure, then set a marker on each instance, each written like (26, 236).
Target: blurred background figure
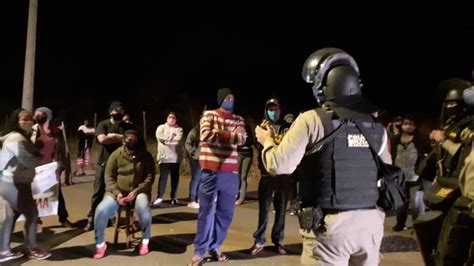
(126, 119)
(86, 138)
(192, 149)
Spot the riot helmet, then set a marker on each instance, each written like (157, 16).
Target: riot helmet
(454, 107)
(335, 76)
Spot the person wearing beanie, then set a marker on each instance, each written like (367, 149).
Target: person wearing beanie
(271, 188)
(221, 131)
(109, 133)
(46, 138)
(46, 111)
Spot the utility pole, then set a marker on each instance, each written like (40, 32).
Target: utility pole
(29, 74)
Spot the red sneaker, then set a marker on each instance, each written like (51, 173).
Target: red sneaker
(100, 252)
(143, 249)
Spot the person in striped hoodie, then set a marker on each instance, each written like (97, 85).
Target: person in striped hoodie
(221, 132)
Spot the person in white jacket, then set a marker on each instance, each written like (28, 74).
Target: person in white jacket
(18, 159)
(169, 156)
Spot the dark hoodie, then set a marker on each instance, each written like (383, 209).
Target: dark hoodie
(278, 128)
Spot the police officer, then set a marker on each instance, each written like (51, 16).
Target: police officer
(339, 220)
(455, 242)
(454, 118)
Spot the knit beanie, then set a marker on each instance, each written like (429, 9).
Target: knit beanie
(46, 111)
(221, 94)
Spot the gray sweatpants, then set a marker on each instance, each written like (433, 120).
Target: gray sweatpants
(17, 199)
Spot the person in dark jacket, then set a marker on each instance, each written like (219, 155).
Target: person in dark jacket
(245, 162)
(192, 149)
(271, 188)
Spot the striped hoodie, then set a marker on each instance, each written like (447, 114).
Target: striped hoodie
(218, 151)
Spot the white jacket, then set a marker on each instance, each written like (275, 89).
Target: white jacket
(17, 158)
(170, 149)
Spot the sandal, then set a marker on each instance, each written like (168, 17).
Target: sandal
(196, 260)
(255, 249)
(218, 256)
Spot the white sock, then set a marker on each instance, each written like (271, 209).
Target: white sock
(101, 245)
(145, 241)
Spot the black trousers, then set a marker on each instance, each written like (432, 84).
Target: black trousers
(402, 212)
(62, 211)
(272, 189)
(165, 170)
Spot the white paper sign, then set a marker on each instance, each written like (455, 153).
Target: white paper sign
(45, 178)
(45, 185)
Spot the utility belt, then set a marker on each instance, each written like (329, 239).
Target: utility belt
(312, 218)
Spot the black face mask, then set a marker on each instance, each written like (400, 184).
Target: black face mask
(41, 119)
(451, 115)
(131, 145)
(117, 116)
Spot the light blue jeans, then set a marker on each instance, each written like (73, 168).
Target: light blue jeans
(108, 206)
(17, 199)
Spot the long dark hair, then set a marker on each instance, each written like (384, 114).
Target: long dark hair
(12, 124)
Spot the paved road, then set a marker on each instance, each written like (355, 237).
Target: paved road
(173, 231)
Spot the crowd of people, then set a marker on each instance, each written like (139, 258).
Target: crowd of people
(322, 150)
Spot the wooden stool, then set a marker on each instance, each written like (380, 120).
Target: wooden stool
(127, 227)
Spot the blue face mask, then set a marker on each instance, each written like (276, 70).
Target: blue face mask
(229, 106)
(468, 95)
(273, 115)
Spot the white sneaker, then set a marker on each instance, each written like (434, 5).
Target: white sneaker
(157, 201)
(193, 205)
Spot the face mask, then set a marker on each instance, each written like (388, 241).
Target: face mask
(468, 95)
(229, 106)
(131, 145)
(451, 114)
(117, 116)
(41, 119)
(26, 125)
(273, 115)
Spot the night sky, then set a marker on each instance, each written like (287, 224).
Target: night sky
(158, 58)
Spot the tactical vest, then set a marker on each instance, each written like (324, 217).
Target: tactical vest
(342, 174)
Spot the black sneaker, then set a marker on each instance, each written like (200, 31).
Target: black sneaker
(11, 256)
(399, 228)
(67, 224)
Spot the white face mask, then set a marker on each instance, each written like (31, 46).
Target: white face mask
(26, 125)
